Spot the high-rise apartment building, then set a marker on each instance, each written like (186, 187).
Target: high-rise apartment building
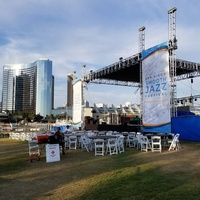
(70, 78)
(28, 87)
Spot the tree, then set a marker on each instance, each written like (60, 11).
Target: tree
(31, 116)
(38, 118)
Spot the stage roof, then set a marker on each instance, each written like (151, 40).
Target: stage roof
(127, 71)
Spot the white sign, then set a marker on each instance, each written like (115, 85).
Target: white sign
(52, 153)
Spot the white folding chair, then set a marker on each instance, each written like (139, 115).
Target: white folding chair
(175, 144)
(99, 147)
(170, 138)
(72, 142)
(138, 136)
(28, 136)
(16, 136)
(156, 144)
(131, 140)
(12, 136)
(145, 143)
(66, 139)
(112, 146)
(34, 151)
(22, 136)
(33, 135)
(86, 143)
(120, 143)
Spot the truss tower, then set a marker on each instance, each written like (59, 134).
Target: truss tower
(141, 49)
(172, 59)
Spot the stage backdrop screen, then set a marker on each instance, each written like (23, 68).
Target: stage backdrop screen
(156, 89)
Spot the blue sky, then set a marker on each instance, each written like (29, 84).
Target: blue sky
(95, 33)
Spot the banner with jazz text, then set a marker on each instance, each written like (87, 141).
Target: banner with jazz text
(156, 89)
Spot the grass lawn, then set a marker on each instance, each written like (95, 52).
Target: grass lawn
(132, 175)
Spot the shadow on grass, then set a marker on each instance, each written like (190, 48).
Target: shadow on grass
(81, 175)
(142, 185)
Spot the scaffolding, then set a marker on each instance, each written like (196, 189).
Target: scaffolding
(141, 49)
(83, 84)
(172, 59)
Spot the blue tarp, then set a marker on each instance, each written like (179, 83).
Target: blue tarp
(157, 129)
(187, 126)
(184, 113)
(168, 127)
(62, 128)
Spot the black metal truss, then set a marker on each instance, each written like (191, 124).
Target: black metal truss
(187, 98)
(183, 64)
(115, 82)
(189, 75)
(125, 72)
(191, 69)
(104, 73)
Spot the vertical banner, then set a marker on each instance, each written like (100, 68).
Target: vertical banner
(156, 89)
(52, 153)
(77, 102)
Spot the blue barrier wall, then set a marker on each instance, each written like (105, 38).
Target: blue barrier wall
(187, 126)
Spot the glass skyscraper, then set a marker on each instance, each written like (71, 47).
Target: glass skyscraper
(28, 87)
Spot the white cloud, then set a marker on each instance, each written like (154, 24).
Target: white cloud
(96, 33)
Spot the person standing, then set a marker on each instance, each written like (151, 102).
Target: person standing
(68, 129)
(59, 137)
